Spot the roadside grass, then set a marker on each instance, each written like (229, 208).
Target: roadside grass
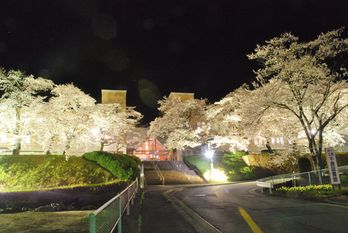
(200, 162)
(44, 222)
(315, 192)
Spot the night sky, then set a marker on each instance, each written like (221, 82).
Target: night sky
(151, 48)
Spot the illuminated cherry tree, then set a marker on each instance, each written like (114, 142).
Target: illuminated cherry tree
(44, 127)
(224, 124)
(301, 87)
(179, 124)
(111, 125)
(20, 95)
(71, 109)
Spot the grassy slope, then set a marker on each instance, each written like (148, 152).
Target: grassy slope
(40, 222)
(31, 172)
(200, 162)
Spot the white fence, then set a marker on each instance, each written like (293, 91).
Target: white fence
(302, 179)
(108, 216)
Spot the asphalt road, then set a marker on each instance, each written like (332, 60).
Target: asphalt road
(238, 208)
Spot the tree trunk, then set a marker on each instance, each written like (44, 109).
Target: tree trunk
(102, 146)
(17, 146)
(67, 147)
(320, 150)
(316, 153)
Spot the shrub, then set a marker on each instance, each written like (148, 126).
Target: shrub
(235, 167)
(124, 167)
(312, 191)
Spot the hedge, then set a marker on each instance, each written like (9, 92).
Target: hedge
(37, 172)
(123, 167)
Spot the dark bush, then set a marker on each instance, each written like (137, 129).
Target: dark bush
(304, 165)
(342, 158)
(123, 167)
(70, 198)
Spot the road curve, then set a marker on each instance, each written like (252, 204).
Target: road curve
(238, 208)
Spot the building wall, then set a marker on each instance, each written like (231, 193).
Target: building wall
(182, 95)
(114, 97)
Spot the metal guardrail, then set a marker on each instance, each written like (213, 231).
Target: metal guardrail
(303, 179)
(159, 173)
(108, 216)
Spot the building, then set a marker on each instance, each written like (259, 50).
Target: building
(152, 149)
(114, 97)
(183, 96)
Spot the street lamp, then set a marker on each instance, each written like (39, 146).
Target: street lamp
(210, 154)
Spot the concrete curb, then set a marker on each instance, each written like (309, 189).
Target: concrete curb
(198, 223)
(336, 203)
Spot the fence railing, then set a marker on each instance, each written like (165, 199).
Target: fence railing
(108, 216)
(303, 179)
(159, 173)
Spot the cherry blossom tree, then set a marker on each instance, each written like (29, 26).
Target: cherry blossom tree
(179, 123)
(45, 127)
(223, 124)
(111, 125)
(20, 95)
(303, 83)
(72, 108)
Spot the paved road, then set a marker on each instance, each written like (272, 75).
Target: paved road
(236, 208)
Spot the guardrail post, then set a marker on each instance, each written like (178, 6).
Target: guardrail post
(309, 178)
(128, 209)
(135, 190)
(142, 176)
(119, 225)
(271, 187)
(91, 220)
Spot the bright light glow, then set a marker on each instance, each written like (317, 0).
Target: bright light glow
(216, 176)
(209, 154)
(313, 131)
(3, 137)
(95, 131)
(273, 140)
(282, 140)
(26, 139)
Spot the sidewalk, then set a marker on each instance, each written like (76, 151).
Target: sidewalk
(153, 213)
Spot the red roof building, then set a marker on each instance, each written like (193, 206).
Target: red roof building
(152, 149)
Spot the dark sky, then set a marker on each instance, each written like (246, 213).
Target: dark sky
(153, 47)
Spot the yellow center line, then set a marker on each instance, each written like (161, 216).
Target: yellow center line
(253, 226)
